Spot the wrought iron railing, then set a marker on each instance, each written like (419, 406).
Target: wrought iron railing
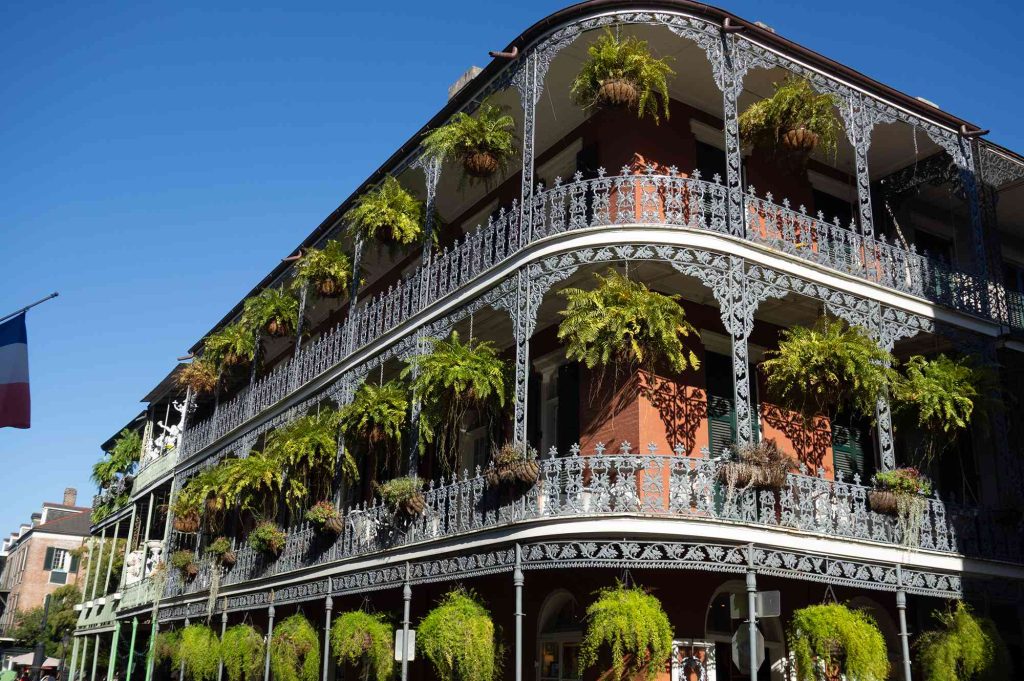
(1015, 309)
(672, 199)
(603, 484)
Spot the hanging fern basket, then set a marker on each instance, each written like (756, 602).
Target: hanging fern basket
(799, 140)
(883, 501)
(619, 92)
(328, 287)
(277, 328)
(188, 523)
(513, 466)
(480, 164)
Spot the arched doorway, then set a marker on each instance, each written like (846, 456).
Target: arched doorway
(560, 628)
(720, 627)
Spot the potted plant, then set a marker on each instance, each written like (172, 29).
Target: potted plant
(449, 381)
(403, 495)
(762, 466)
(307, 449)
(167, 648)
(513, 465)
(963, 647)
(326, 517)
(623, 73)
(221, 550)
(252, 484)
(623, 324)
(200, 375)
(364, 641)
(795, 119)
(457, 636)
(243, 650)
(199, 651)
(328, 269)
(184, 561)
(276, 311)
(827, 368)
(295, 650)
(268, 538)
(484, 142)
(388, 213)
(374, 420)
(942, 395)
(837, 640)
(893, 488)
(233, 345)
(185, 510)
(632, 626)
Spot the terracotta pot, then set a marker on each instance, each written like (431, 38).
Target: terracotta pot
(334, 525)
(480, 164)
(187, 523)
(328, 288)
(277, 328)
(414, 505)
(228, 558)
(800, 140)
(618, 92)
(882, 501)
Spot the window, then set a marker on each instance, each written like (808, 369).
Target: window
(59, 563)
(710, 162)
(559, 641)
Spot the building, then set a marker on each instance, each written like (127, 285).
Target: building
(41, 557)
(911, 230)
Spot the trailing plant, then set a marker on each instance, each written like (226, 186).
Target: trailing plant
(388, 213)
(364, 640)
(458, 638)
(119, 461)
(184, 561)
(253, 483)
(167, 648)
(326, 516)
(295, 650)
(200, 651)
(375, 418)
(308, 449)
(513, 464)
(837, 638)
(449, 381)
(200, 375)
(903, 481)
(942, 393)
(484, 142)
(220, 548)
(633, 626)
(827, 369)
(762, 465)
(623, 324)
(795, 105)
(201, 495)
(623, 72)
(964, 647)
(403, 494)
(268, 538)
(276, 311)
(327, 269)
(243, 650)
(901, 492)
(233, 345)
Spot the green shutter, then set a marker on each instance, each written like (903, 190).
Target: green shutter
(848, 452)
(721, 411)
(48, 561)
(74, 563)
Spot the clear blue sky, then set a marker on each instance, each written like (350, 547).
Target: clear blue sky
(157, 159)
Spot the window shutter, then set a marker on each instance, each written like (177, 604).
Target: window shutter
(721, 409)
(848, 452)
(568, 407)
(74, 564)
(48, 561)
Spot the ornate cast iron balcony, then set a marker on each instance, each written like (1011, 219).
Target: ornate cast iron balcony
(604, 484)
(672, 200)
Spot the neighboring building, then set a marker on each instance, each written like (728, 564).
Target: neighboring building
(923, 247)
(41, 556)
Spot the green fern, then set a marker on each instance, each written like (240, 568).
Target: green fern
(611, 58)
(308, 449)
(243, 650)
(234, 344)
(794, 104)
(964, 647)
(458, 638)
(327, 267)
(815, 632)
(200, 651)
(489, 130)
(120, 460)
(623, 324)
(634, 626)
(375, 418)
(827, 369)
(388, 213)
(451, 379)
(363, 639)
(252, 484)
(271, 306)
(295, 651)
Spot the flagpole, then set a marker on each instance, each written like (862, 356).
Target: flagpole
(30, 306)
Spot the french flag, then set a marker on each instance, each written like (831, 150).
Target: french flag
(15, 405)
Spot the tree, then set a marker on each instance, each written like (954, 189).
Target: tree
(28, 629)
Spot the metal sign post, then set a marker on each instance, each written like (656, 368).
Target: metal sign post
(748, 641)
